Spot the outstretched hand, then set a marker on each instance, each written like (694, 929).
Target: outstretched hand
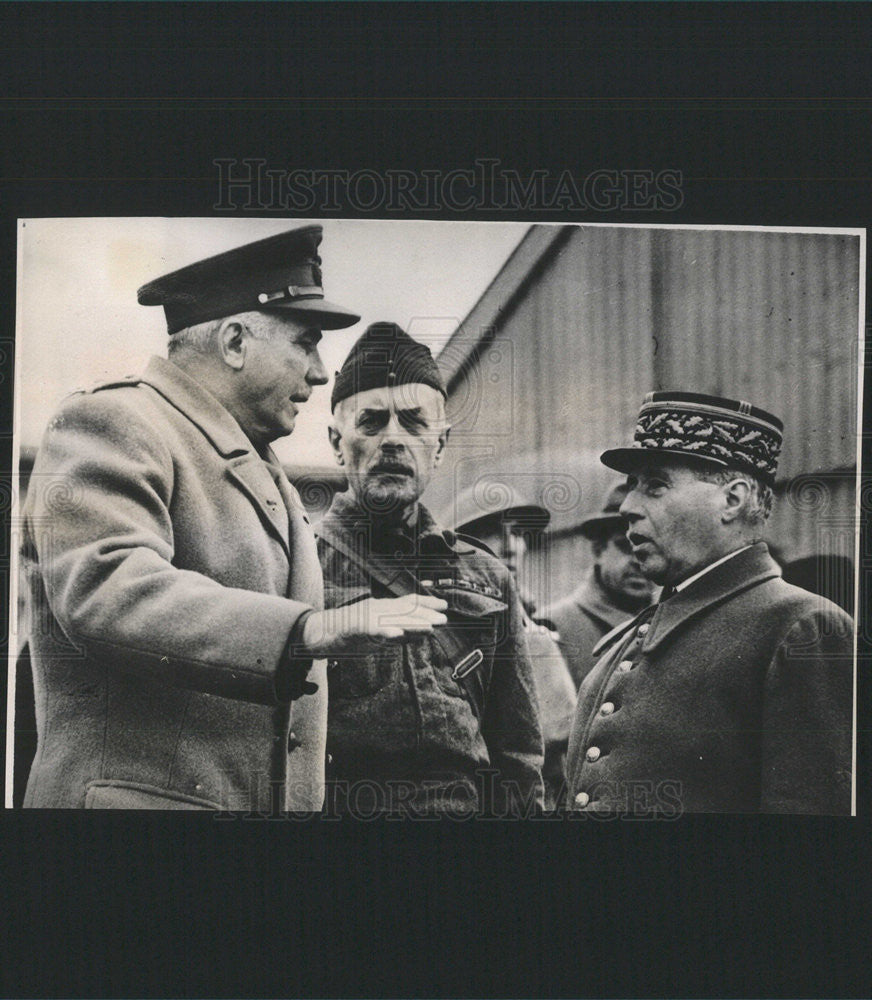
(345, 630)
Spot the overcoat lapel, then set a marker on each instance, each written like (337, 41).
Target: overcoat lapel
(252, 476)
(305, 581)
(244, 465)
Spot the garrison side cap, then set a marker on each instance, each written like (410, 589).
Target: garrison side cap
(281, 273)
(382, 357)
(711, 429)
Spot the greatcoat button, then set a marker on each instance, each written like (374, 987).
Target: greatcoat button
(643, 629)
(293, 741)
(593, 753)
(607, 708)
(582, 799)
(625, 665)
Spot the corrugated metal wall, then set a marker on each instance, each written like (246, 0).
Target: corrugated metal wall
(612, 313)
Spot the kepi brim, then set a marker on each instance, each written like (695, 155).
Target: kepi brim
(627, 460)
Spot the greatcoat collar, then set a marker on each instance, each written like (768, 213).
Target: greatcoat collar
(269, 491)
(592, 598)
(747, 569)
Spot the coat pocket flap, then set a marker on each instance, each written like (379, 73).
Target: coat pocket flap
(133, 795)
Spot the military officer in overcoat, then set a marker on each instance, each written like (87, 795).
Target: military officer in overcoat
(176, 598)
(447, 724)
(734, 692)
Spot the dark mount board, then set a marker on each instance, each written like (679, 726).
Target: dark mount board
(122, 109)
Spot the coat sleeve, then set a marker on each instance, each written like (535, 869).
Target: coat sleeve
(99, 516)
(807, 718)
(510, 723)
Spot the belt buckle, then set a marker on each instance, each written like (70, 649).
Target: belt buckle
(467, 665)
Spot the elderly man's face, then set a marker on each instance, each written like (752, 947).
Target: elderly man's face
(389, 441)
(620, 571)
(673, 520)
(281, 367)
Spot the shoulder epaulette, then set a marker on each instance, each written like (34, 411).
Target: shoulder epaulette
(116, 383)
(475, 542)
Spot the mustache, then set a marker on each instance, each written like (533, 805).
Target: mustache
(388, 466)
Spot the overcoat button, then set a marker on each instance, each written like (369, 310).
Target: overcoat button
(593, 753)
(582, 799)
(293, 742)
(643, 629)
(607, 708)
(625, 665)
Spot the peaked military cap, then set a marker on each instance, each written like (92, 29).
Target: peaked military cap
(723, 432)
(385, 356)
(281, 272)
(608, 519)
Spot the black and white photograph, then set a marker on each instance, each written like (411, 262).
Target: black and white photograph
(435, 519)
(435, 499)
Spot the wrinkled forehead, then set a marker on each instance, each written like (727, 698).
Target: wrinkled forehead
(409, 396)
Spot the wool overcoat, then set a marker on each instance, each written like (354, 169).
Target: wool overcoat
(735, 695)
(582, 619)
(167, 564)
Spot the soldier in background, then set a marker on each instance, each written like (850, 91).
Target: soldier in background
(613, 591)
(507, 530)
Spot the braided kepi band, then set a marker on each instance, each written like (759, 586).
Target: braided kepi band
(725, 432)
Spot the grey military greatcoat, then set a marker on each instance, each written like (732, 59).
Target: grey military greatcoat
(167, 564)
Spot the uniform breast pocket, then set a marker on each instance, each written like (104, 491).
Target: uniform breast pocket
(358, 676)
(476, 621)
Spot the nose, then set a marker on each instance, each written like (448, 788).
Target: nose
(317, 373)
(629, 507)
(393, 432)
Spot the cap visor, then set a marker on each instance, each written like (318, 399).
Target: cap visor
(530, 516)
(325, 315)
(627, 460)
(593, 526)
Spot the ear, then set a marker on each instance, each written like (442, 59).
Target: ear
(735, 496)
(232, 343)
(440, 448)
(335, 438)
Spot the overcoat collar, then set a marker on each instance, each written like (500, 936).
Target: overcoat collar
(591, 597)
(747, 569)
(198, 405)
(250, 472)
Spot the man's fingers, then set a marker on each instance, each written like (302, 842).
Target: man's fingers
(425, 601)
(416, 619)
